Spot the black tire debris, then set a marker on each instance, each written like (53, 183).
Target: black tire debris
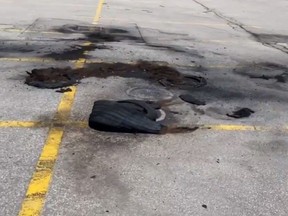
(241, 113)
(130, 116)
(122, 117)
(190, 99)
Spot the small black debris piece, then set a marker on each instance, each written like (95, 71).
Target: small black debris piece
(204, 206)
(63, 90)
(265, 77)
(190, 99)
(241, 113)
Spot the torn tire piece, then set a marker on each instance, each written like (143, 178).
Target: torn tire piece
(190, 99)
(122, 117)
(241, 113)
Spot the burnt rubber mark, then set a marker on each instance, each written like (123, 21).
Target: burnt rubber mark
(129, 116)
(84, 29)
(163, 74)
(171, 48)
(241, 113)
(101, 34)
(190, 99)
(282, 78)
(267, 71)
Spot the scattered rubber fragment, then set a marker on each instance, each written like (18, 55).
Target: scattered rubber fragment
(190, 99)
(241, 113)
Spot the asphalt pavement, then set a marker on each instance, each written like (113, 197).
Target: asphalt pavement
(51, 163)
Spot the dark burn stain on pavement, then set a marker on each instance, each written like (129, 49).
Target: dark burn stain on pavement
(95, 163)
(162, 74)
(75, 52)
(264, 71)
(96, 36)
(101, 34)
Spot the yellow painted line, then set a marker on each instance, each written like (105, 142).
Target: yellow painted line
(24, 124)
(62, 120)
(40, 182)
(65, 105)
(78, 124)
(39, 185)
(98, 12)
(231, 127)
(28, 59)
(228, 127)
(91, 61)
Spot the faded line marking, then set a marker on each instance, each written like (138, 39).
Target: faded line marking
(230, 127)
(28, 59)
(84, 124)
(91, 61)
(25, 124)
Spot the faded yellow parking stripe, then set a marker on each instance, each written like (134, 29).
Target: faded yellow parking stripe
(25, 124)
(27, 59)
(91, 61)
(64, 110)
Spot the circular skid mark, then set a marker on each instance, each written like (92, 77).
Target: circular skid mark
(146, 93)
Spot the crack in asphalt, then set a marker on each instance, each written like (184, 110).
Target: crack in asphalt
(233, 22)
